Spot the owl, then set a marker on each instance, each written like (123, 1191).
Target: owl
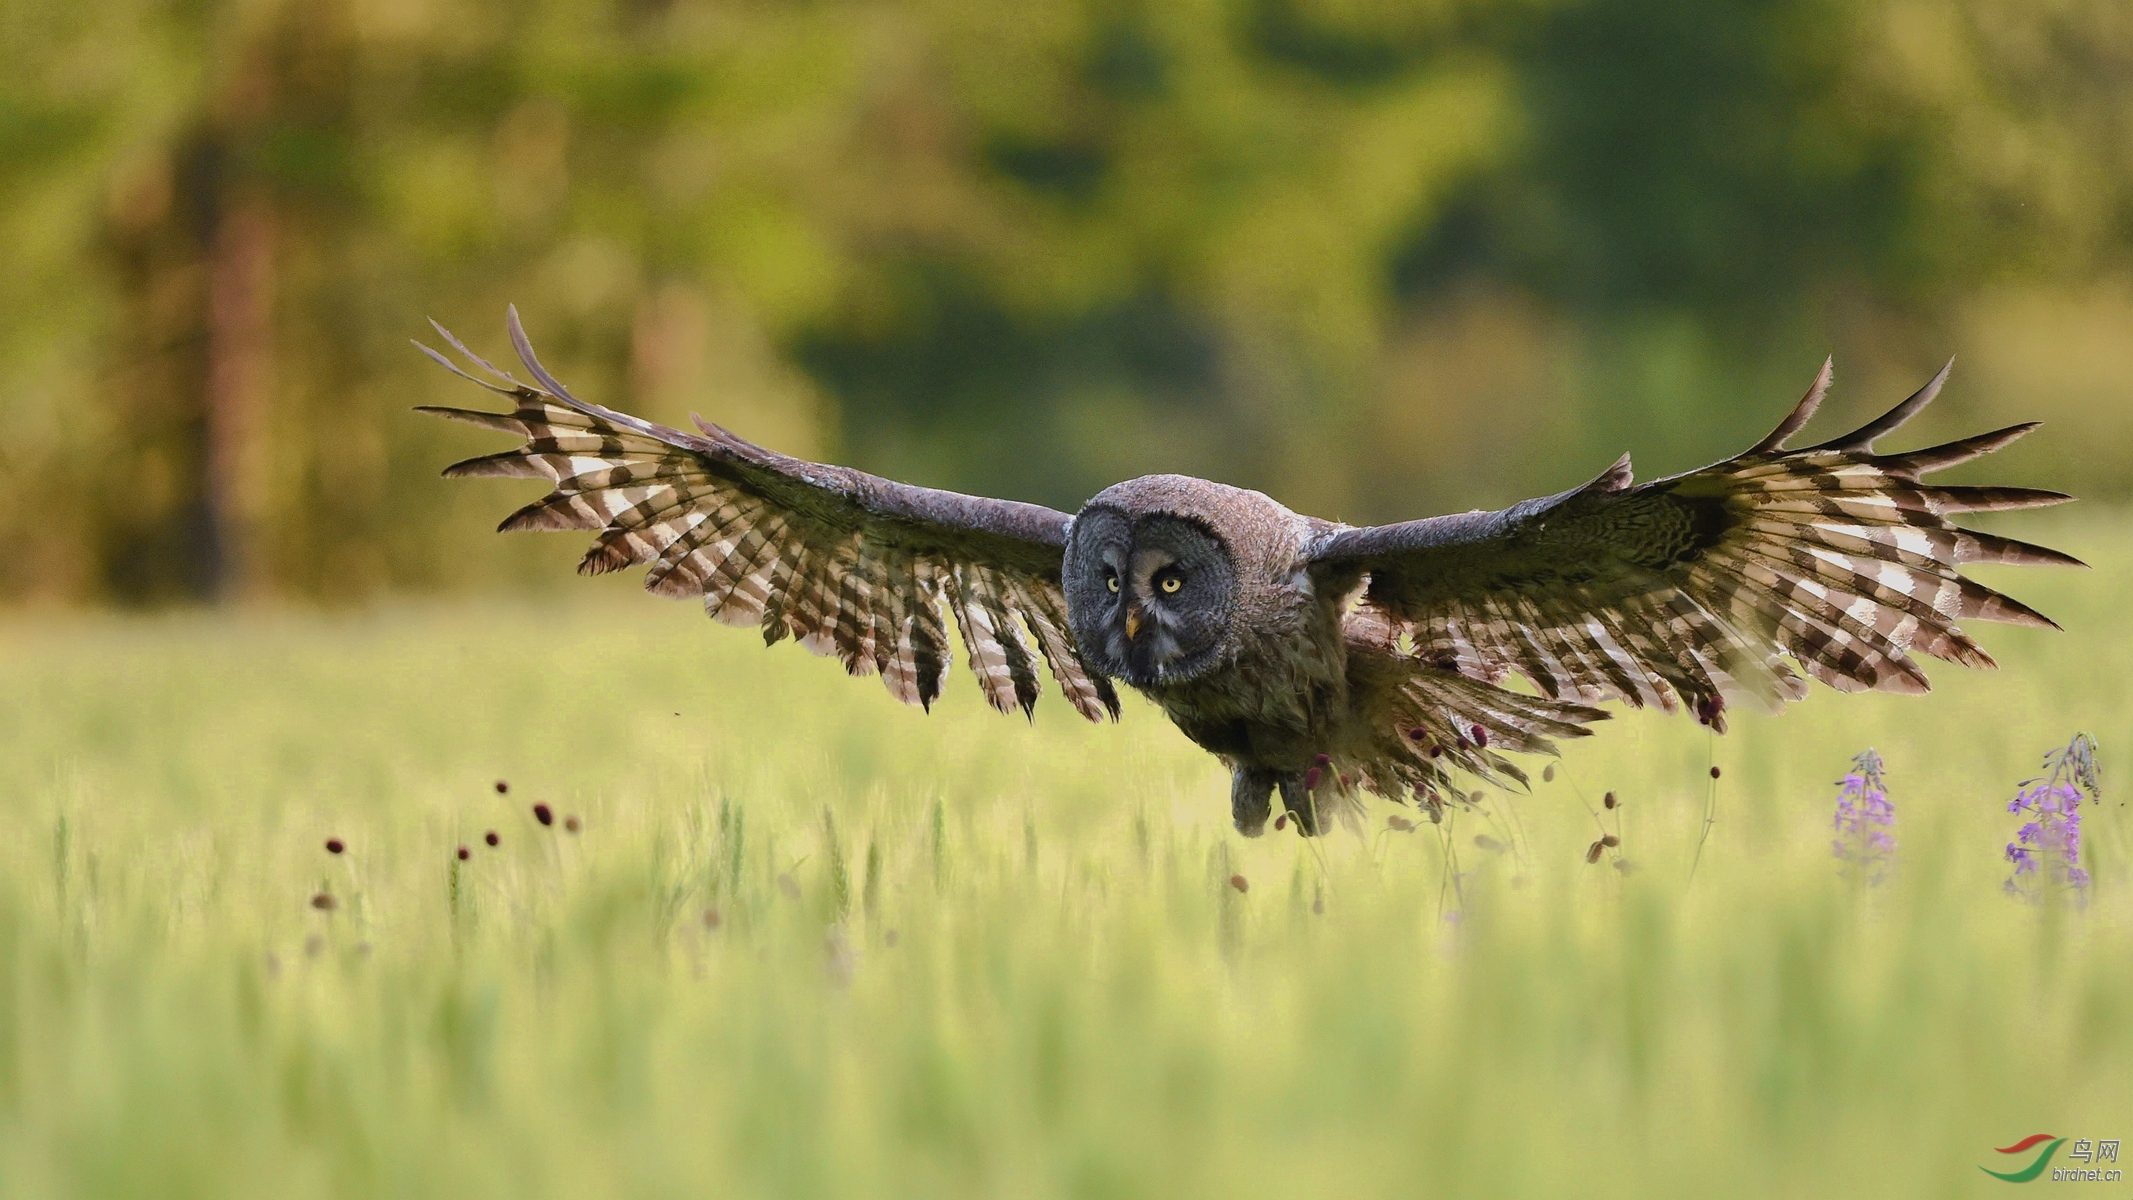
(1319, 662)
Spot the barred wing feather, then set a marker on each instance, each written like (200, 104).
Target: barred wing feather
(848, 564)
(1700, 587)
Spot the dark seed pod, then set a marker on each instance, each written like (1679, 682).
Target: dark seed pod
(1714, 772)
(1322, 760)
(1481, 736)
(1609, 801)
(571, 824)
(1548, 773)
(544, 814)
(491, 838)
(1592, 853)
(1610, 840)
(335, 845)
(1240, 883)
(324, 902)
(1347, 781)
(1281, 822)
(1311, 778)
(1418, 733)
(465, 854)
(502, 787)
(1436, 751)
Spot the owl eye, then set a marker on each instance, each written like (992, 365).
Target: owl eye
(1171, 583)
(1111, 580)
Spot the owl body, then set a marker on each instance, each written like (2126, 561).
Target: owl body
(1257, 669)
(1316, 660)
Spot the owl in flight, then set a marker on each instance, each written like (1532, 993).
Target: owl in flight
(1314, 659)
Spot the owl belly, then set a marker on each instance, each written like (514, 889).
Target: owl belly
(1276, 705)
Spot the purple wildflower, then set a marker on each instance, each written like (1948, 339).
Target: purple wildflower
(2046, 851)
(1865, 819)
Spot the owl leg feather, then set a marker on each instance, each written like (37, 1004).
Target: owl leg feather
(1302, 805)
(1250, 799)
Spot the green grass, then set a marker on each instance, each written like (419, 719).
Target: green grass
(1075, 1003)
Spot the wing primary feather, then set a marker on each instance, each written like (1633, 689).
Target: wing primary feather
(1864, 437)
(524, 347)
(1797, 418)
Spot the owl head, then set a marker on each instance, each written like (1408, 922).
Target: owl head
(1158, 571)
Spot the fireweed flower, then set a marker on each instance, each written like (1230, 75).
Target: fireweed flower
(1865, 820)
(2046, 852)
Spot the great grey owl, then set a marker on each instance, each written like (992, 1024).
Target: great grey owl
(1315, 659)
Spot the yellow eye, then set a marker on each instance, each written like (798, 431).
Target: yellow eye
(1171, 583)
(1111, 581)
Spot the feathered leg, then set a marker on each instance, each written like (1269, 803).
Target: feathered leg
(1302, 806)
(1250, 799)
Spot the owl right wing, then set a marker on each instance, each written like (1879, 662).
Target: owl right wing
(848, 563)
(1699, 586)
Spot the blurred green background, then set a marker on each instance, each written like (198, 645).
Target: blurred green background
(1378, 259)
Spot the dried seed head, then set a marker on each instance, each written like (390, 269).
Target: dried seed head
(1548, 773)
(335, 845)
(1609, 801)
(1610, 840)
(1281, 822)
(465, 854)
(1714, 772)
(502, 787)
(1240, 883)
(544, 814)
(1592, 852)
(324, 902)
(491, 838)
(571, 824)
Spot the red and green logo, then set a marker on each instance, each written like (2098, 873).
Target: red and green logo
(2034, 1169)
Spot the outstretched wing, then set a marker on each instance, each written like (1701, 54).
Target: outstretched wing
(1699, 586)
(848, 563)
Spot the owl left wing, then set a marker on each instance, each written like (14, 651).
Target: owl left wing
(1698, 587)
(848, 563)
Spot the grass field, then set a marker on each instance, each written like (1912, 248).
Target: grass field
(962, 955)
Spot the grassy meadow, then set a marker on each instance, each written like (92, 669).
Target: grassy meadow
(965, 955)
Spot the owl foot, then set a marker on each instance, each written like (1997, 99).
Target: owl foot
(1302, 805)
(1250, 800)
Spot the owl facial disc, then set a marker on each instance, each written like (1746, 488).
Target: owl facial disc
(1149, 595)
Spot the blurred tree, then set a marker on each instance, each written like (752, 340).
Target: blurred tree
(1376, 258)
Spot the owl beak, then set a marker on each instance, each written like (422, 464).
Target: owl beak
(1133, 622)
